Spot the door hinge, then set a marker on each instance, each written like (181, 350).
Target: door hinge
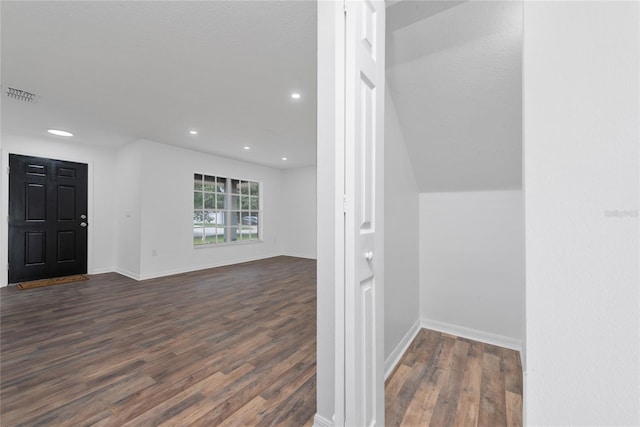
(344, 6)
(8, 170)
(344, 203)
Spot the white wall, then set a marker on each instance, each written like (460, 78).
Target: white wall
(128, 213)
(102, 164)
(140, 201)
(472, 264)
(581, 161)
(298, 212)
(456, 79)
(167, 210)
(402, 284)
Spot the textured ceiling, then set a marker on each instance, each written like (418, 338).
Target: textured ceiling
(454, 70)
(114, 72)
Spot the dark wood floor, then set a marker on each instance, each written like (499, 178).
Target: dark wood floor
(443, 380)
(227, 346)
(231, 346)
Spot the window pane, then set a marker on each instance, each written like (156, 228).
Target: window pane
(248, 219)
(197, 181)
(244, 187)
(249, 225)
(213, 218)
(235, 218)
(218, 237)
(255, 232)
(221, 218)
(198, 218)
(209, 183)
(256, 215)
(235, 186)
(222, 185)
(254, 189)
(234, 234)
(253, 203)
(212, 235)
(197, 200)
(244, 202)
(235, 202)
(198, 236)
(209, 200)
(220, 201)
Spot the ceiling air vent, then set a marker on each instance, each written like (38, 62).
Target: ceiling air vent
(20, 95)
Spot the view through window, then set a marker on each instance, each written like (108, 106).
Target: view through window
(225, 210)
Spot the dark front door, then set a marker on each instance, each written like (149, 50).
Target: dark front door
(47, 218)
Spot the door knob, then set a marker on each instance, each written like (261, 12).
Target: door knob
(368, 256)
(83, 224)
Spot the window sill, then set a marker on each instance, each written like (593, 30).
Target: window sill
(226, 245)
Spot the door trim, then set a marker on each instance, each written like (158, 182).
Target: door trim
(4, 181)
(331, 197)
(364, 227)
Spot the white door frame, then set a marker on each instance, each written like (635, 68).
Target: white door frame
(330, 189)
(339, 249)
(364, 213)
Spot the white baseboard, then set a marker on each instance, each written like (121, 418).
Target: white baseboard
(395, 356)
(298, 255)
(194, 268)
(102, 270)
(129, 274)
(472, 334)
(320, 421)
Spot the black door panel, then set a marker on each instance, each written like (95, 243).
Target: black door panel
(47, 218)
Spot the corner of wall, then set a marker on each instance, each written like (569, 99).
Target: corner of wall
(473, 334)
(402, 222)
(393, 359)
(320, 421)
(128, 210)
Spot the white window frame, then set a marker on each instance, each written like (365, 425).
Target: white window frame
(215, 190)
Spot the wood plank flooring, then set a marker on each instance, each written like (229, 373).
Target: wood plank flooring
(231, 346)
(443, 380)
(228, 346)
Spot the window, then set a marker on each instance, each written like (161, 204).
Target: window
(225, 210)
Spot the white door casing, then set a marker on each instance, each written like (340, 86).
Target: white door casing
(364, 183)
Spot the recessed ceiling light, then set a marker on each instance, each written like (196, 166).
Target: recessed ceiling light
(193, 132)
(59, 132)
(246, 147)
(295, 95)
(284, 158)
